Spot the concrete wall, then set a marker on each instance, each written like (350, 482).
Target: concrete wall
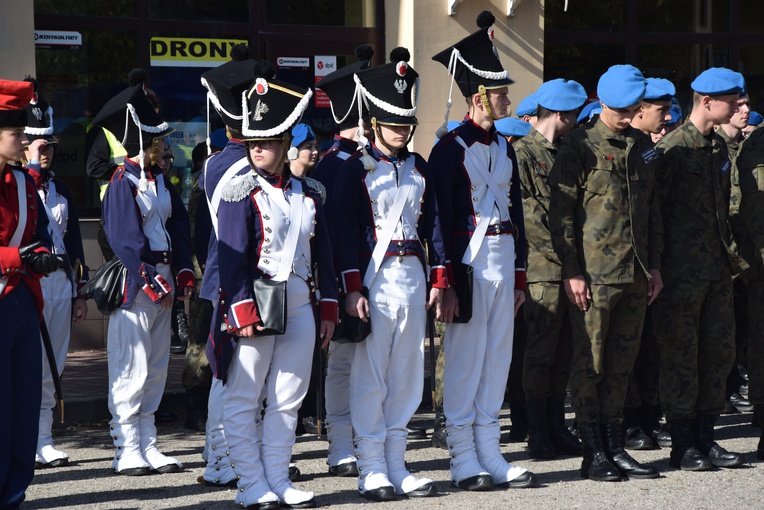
(426, 29)
(17, 39)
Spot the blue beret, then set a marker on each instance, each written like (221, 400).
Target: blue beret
(452, 124)
(754, 119)
(676, 114)
(218, 138)
(621, 86)
(659, 89)
(527, 106)
(510, 126)
(590, 110)
(718, 81)
(302, 133)
(561, 95)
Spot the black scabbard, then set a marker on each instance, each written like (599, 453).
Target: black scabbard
(53, 368)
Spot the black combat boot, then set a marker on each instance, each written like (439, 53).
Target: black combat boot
(519, 417)
(196, 409)
(684, 455)
(635, 437)
(563, 441)
(438, 439)
(704, 441)
(650, 418)
(625, 463)
(539, 443)
(596, 466)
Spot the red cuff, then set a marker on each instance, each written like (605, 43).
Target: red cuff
(439, 277)
(242, 314)
(521, 283)
(351, 281)
(165, 287)
(10, 260)
(151, 293)
(328, 310)
(186, 279)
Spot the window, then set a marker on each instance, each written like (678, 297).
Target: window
(347, 13)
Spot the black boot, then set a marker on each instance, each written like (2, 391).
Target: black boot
(635, 437)
(704, 441)
(539, 443)
(563, 441)
(196, 409)
(519, 430)
(684, 455)
(596, 466)
(650, 419)
(625, 463)
(438, 439)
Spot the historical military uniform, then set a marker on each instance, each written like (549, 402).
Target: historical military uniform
(605, 225)
(60, 287)
(547, 309)
(750, 168)
(481, 219)
(692, 317)
(22, 264)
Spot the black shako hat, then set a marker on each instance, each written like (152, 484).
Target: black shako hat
(341, 88)
(390, 91)
(39, 117)
(272, 107)
(227, 83)
(132, 120)
(474, 60)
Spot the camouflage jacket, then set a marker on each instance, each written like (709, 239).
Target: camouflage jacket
(750, 167)
(535, 157)
(694, 183)
(734, 212)
(604, 214)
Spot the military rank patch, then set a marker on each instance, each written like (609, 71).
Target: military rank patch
(726, 166)
(649, 155)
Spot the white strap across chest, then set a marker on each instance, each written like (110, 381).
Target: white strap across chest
(18, 234)
(214, 202)
(292, 210)
(153, 217)
(405, 186)
(477, 163)
(55, 229)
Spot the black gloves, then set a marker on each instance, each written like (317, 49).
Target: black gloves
(40, 263)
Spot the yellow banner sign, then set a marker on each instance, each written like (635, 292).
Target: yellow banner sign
(190, 52)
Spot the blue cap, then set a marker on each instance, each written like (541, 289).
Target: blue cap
(589, 111)
(718, 81)
(561, 95)
(754, 119)
(452, 124)
(510, 126)
(302, 133)
(675, 111)
(218, 138)
(621, 86)
(527, 106)
(659, 89)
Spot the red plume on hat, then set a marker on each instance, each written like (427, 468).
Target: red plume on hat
(14, 97)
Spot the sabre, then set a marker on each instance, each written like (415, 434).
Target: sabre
(53, 368)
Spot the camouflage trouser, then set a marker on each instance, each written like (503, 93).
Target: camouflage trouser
(695, 327)
(549, 346)
(756, 342)
(643, 381)
(197, 373)
(605, 343)
(440, 365)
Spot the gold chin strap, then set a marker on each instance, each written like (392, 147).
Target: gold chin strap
(484, 99)
(379, 138)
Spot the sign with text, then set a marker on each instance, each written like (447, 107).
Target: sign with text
(60, 38)
(191, 52)
(324, 65)
(299, 62)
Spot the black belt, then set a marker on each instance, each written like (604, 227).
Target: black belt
(505, 227)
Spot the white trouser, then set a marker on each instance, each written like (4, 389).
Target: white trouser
(57, 293)
(138, 349)
(339, 430)
(387, 372)
(277, 368)
(218, 468)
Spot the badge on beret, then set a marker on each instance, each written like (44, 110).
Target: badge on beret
(261, 86)
(400, 86)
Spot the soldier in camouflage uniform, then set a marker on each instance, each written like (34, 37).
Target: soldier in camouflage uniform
(693, 317)
(750, 168)
(547, 309)
(606, 230)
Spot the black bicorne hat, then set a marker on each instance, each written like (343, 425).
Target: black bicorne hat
(390, 91)
(341, 88)
(227, 83)
(132, 120)
(39, 117)
(272, 107)
(474, 60)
